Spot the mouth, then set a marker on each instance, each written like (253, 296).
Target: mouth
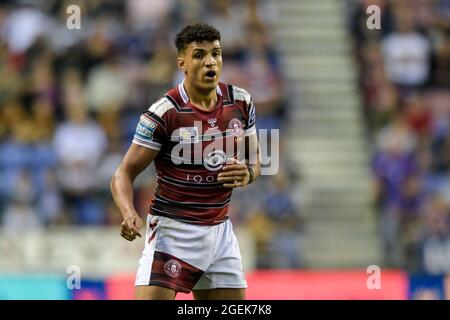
(210, 75)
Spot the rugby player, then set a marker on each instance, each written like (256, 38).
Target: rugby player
(194, 134)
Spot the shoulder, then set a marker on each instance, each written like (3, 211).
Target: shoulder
(240, 94)
(160, 107)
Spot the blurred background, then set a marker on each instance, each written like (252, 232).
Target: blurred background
(364, 146)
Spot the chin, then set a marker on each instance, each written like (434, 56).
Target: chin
(208, 86)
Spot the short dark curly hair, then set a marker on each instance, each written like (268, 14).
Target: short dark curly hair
(196, 32)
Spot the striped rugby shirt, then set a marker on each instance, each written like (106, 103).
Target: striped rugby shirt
(193, 146)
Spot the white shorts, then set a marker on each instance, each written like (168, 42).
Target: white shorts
(187, 257)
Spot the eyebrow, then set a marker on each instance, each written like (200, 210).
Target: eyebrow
(204, 50)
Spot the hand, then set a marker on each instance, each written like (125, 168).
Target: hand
(234, 175)
(130, 227)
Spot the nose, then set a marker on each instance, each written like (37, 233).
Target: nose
(210, 61)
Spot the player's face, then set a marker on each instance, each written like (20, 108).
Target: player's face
(202, 64)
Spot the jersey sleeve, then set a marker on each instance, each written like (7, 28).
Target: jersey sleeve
(151, 131)
(250, 125)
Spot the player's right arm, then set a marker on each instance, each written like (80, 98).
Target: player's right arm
(135, 161)
(147, 141)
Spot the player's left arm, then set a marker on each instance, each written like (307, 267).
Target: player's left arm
(241, 174)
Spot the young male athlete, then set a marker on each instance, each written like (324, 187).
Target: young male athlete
(195, 135)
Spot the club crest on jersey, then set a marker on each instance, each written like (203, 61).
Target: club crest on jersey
(189, 135)
(236, 127)
(212, 122)
(172, 268)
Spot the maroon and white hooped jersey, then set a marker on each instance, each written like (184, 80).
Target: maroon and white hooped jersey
(193, 147)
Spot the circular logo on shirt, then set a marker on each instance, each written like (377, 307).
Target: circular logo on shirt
(215, 160)
(236, 127)
(172, 268)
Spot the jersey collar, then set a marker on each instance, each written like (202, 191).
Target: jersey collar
(184, 95)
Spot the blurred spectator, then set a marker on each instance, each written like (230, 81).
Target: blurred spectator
(393, 165)
(285, 249)
(50, 201)
(15, 154)
(219, 16)
(441, 62)
(22, 27)
(149, 13)
(407, 105)
(158, 72)
(108, 165)
(262, 77)
(406, 52)
(19, 215)
(441, 154)
(107, 87)
(418, 115)
(436, 244)
(79, 144)
(358, 22)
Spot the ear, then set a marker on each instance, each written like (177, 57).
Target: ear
(181, 64)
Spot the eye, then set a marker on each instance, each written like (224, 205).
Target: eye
(198, 55)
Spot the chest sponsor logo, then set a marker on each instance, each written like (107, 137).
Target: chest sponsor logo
(215, 160)
(213, 152)
(189, 135)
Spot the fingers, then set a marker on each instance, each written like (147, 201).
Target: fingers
(234, 185)
(233, 173)
(126, 233)
(234, 167)
(241, 172)
(130, 224)
(128, 229)
(231, 179)
(127, 236)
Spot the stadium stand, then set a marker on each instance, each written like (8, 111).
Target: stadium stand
(70, 101)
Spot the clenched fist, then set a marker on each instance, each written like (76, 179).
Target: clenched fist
(130, 227)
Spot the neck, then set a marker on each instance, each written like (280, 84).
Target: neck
(205, 100)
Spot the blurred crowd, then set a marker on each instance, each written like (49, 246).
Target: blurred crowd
(70, 100)
(405, 84)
